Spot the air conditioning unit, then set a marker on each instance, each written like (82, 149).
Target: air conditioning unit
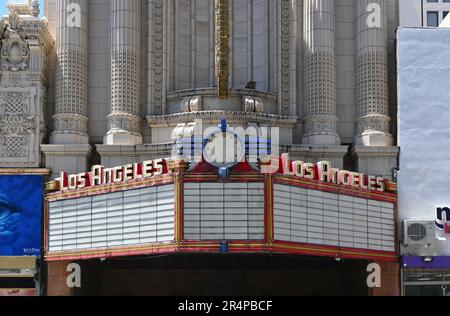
(418, 233)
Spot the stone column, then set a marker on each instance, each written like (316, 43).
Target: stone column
(320, 73)
(71, 113)
(373, 121)
(124, 122)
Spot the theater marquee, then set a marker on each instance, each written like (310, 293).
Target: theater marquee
(159, 207)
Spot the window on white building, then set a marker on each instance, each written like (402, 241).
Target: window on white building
(432, 18)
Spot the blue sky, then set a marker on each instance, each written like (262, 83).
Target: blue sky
(3, 4)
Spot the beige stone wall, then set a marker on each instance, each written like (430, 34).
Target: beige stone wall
(99, 69)
(189, 50)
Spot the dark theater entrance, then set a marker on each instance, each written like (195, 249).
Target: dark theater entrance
(230, 275)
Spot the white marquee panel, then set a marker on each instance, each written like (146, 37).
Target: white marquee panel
(112, 220)
(224, 211)
(316, 217)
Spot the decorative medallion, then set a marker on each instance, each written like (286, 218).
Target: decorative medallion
(15, 53)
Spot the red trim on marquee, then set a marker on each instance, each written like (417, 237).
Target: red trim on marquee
(235, 247)
(266, 210)
(46, 225)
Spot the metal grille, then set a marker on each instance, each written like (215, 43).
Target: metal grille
(416, 231)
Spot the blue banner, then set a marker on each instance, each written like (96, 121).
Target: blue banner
(21, 200)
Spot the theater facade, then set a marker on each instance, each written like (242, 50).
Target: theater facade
(102, 90)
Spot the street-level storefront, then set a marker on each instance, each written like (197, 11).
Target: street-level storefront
(156, 220)
(426, 276)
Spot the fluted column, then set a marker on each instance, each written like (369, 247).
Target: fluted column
(320, 73)
(71, 112)
(373, 122)
(124, 122)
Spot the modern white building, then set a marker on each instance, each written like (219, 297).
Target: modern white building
(424, 171)
(423, 13)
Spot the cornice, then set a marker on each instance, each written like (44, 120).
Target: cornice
(212, 117)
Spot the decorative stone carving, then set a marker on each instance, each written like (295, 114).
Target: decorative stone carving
(285, 57)
(214, 117)
(68, 123)
(156, 56)
(321, 124)
(192, 104)
(16, 116)
(182, 130)
(124, 123)
(34, 8)
(23, 93)
(253, 104)
(15, 53)
(21, 127)
(222, 46)
(373, 124)
(27, 7)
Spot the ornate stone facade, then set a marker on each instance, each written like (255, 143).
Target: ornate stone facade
(25, 45)
(145, 68)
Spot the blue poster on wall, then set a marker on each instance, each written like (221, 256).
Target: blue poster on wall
(20, 215)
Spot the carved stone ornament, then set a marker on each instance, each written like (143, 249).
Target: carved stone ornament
(253, 104)
(124, 123)
(222, 8)
(15, 53)
(17, 125)
(192, 104)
